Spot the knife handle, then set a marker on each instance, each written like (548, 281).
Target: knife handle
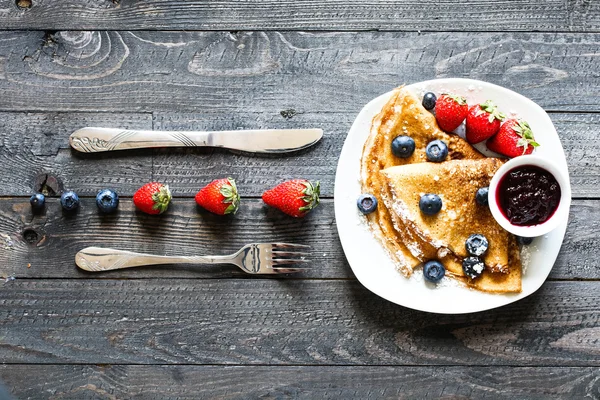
(95, 140)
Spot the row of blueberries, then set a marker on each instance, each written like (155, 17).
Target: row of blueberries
(107, 201)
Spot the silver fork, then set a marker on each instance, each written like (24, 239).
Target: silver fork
(255, 258)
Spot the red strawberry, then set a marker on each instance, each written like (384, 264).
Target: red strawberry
(219, 197)
(296, 197)
(483, 122)
(450, 111)
(514, 139)
(152, 198)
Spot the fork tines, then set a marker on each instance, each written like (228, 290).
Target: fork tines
(283, 254)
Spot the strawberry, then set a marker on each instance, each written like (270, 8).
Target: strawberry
(450, 111)
(152, 198)
(219, 197)
(296, 197)
(483, 122)
(514, 138)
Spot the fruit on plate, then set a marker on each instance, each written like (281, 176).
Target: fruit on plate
(436, 151)
(450, 111)
(514, 139)
(476, 244)
(430, 204)
(152, 198)
(481, 196)
(107, 201)
(483, 122)
(403, 146)
(429, 100)
(433, 271)
(219, 197)
(69, 200)
(473, 266)
(296, 197)
(37, 202)
(366, 203)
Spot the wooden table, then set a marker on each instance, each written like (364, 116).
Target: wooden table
(213, 332)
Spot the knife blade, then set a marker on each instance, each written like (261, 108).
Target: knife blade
(94, 140)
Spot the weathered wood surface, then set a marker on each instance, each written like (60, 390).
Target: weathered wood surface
(279, 322)
(34, 144)
(315, 382)
(428, 15)
(215, 332)
(44, 246)
(246, 72)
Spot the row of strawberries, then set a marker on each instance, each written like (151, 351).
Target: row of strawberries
(511, 138)
(295, 197)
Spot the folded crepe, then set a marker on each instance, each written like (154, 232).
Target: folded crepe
(442, 236)
(403, 114)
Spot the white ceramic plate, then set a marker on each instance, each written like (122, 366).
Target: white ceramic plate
(368, 260)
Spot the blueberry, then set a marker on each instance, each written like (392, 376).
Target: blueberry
(476, 244)
(69, 200)
(433, 271)
(37, 201)
(524, 241)
(430, 204)
(436, 151)
(367, 203)
(429, 100)
(107, 200)
(403, 146)
(481, 197)
(473, 267)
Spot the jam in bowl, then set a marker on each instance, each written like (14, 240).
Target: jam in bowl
(529, 196)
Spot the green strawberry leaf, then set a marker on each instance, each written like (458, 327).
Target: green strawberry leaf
(311, 195)
(161, 199)
(489, 107)
(231, 196)
(459, 99)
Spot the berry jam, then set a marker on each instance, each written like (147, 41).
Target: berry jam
(528, 195)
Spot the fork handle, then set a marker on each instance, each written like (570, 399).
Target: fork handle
(106, 259)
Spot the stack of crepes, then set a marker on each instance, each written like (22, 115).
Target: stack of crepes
(411, 237)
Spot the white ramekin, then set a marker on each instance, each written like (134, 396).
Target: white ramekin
(559, 215)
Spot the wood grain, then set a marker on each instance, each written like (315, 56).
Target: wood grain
(318, 382)
(282, 322)
(32, 144)
(520, 15)
(44, 246)
(245, 72)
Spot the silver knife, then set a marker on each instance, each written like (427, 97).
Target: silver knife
(94, 140)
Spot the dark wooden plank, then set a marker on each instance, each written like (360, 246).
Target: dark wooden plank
(521, 15)
(187, 170)
(48, 243)
(34, 148)
(279, 322)
(244, 72)
(37, 143)
(217, 382)
(183, 230)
